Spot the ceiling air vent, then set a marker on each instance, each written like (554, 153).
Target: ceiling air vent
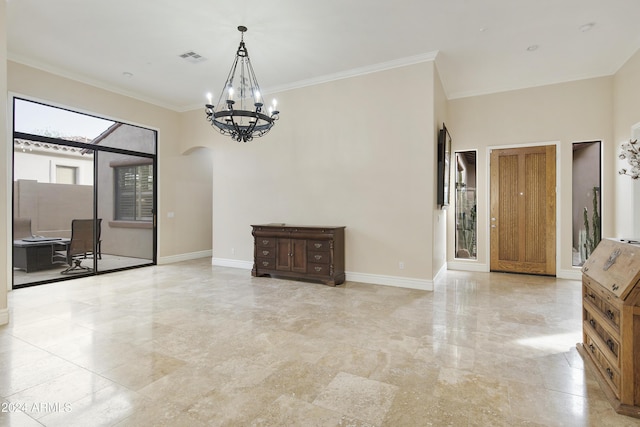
(193, 57)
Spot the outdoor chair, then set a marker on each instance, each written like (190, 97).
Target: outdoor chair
(80, 246)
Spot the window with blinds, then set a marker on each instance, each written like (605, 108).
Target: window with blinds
(134, 193)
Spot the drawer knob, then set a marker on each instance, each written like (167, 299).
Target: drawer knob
(592, 322)
(610, 344)
(592, 348)
(318, 268)
(610, 373)
(610, 314)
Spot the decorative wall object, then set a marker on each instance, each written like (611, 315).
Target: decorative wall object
(444, 166)
(631, 152)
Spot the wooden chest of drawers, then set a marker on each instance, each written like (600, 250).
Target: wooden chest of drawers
(611, 322)
(307, 252)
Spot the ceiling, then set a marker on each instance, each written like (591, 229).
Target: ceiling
(480, 46)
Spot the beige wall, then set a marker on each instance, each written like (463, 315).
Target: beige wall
(563, 114)
(5, 180)
(358, 152)
(440, 216)
(626, 113)
(184, 185)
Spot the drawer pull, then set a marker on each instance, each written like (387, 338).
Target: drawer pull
(592, 348)
(610, 344)
(615, 287)
(318, 268)
(317, 245)
(592, 322)
(318, 257)
(265, 263)
(265, 242)
(610, 373)
(265, 253)
(592, 296)
(610, 314)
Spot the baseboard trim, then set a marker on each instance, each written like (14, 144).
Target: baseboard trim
(233, 263)
(4, 316)
(374, 279)
(398, 282)
(468, 266)
(440, 272)
(184, 257)
(573, 274)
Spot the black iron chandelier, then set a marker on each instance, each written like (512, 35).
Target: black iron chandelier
(239, 112)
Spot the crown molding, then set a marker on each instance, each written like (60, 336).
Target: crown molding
(355, 72)
(91, 82)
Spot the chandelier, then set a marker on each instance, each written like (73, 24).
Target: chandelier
(239, 112)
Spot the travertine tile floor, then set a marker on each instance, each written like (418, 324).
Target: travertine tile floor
(189, 344)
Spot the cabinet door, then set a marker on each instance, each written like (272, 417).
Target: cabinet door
(299, 255)
(291, 255)
(283, 254)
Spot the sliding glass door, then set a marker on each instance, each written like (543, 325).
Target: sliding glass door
(84, 194)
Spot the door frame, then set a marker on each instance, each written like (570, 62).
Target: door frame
(487, 210)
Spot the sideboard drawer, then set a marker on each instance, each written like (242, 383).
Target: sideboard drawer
(266, 263)
(319, 257)
(319, 245)
(318, 269)
(266, 252)
(266, 242)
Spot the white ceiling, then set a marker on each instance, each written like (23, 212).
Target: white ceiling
(481, 45)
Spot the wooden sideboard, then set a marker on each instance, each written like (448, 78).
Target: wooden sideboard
(302, 252)
(611, 322)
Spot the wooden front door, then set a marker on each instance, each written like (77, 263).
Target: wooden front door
(523, 210)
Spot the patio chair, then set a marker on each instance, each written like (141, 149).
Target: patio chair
(80, 246)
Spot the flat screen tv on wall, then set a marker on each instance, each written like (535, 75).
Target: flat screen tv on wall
(444, 167)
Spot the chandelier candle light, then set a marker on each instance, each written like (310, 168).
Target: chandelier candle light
(239, 111)
(631, 152)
